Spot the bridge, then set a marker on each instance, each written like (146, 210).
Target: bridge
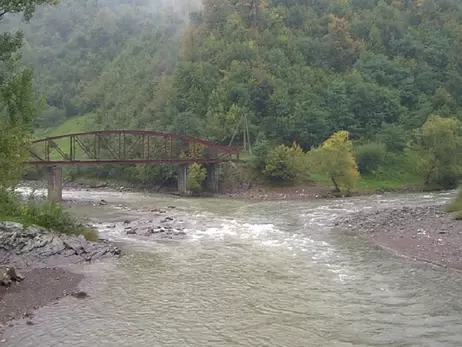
(125, 147)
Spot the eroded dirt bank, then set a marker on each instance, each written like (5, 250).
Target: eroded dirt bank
(424, 233)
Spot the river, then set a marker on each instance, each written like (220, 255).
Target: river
(252, 274)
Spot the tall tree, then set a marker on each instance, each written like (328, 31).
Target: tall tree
(18, 101)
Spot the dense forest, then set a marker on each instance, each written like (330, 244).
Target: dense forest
(295, 70)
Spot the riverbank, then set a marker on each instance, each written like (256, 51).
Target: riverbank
(41, 256)
(245, 192)
(40, 287)
(422, 233)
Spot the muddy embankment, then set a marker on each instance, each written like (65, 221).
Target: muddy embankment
(422, 233)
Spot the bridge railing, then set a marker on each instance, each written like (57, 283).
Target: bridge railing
(126, 147)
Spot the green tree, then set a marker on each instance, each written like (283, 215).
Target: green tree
(370, 156)
(18, 102)
(438, 144)
(335, 159)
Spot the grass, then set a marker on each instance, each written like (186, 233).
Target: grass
(48, 215)
(396, 173)
(72, 125)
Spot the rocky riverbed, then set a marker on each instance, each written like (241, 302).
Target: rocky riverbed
(32, 246)
(40, 255)
(424, 233)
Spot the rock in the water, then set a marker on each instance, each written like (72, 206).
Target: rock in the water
(5, 280)
(20, 245)
(13, 274)
(80, 295)
(130, 231)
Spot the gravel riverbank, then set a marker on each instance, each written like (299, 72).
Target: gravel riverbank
(41, 255)
(41, 286)
(424, 233)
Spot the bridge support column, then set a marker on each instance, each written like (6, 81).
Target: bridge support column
(55, 183)
(182, 178)
(211, 181)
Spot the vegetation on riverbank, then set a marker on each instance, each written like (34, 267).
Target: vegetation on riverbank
(46, 214)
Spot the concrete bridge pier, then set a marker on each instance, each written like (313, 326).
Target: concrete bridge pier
(55, 183)
(182, 178)
(211, 180)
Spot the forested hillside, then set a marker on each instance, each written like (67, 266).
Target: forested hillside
(295, 70)
(82, 51)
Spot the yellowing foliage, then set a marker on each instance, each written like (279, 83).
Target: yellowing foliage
(335, 158)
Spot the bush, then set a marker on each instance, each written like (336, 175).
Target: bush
(286, 164)
(370, 156)
(42, 213)
(260, 154)
(196, 176)
(456, 204)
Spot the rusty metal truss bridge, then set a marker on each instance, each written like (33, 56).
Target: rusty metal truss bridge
(127, 147)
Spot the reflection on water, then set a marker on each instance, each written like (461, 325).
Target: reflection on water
(255, 274)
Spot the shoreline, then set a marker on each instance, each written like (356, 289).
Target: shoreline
(41, 287)
(258, 193)
(425, 234)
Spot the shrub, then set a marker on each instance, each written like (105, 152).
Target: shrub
(456, 204)
(370, 156)
(42, 213)
(196, 176)
(261, 150)
(286, 164)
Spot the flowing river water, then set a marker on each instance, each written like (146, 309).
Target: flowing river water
(252, 274)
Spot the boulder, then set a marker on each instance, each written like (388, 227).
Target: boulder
(23, 246)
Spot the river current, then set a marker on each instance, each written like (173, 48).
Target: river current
(252, 274)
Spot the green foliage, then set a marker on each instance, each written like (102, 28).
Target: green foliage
(370, 156)
(393, 136)
(294, 71)
(335, 159)
(27, 7)
(18, 102)
(196, 176)
(45, 214)
(438, 143)
(260, 154)
(286, 164)
(456, 204)
(297, 72)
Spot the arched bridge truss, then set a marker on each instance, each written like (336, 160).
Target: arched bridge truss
(127, 147)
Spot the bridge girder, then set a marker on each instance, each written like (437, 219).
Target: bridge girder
(126, 147)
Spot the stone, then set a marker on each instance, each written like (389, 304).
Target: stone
(13, 274)
(5, 280)
(21, 246)
(79, 295)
